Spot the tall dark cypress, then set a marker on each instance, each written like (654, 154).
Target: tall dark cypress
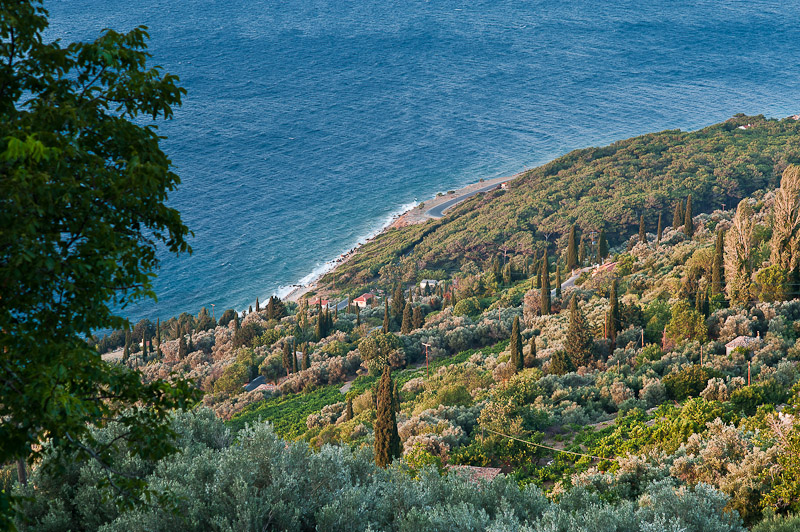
(677, 215)
(258, 308)
(582, 252)
(287, 361)
(558, 280)
(532, 343)
(398, 303)
(416, 319)
(358, 316)
(387, 440)
(406, 326)
(688, 222)
(613, 321)
(306, 361)
(602, 246)
(294, 358)
(271, 307)
(386, 317)
(572, 250)
(183, 350)
(348, 412)
(579, 340)
(642, 231)
(517, 357)
(319, 327)
(717, 266)
(545, 290)
(660, 229)
(235, 322)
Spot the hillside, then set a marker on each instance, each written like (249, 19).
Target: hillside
(658, 390)
(595, 188)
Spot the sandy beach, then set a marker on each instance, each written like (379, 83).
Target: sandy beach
(432, 208)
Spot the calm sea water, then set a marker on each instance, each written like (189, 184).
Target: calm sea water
(309, 123)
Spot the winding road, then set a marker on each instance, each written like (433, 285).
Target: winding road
(438, 210)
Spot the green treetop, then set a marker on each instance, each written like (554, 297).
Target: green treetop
(516, 346)
(83, 209)
(545, 286)
(677, 215)
(642, 230)
(578, 344)
(387, 440)
(688, 221)
(572, 249)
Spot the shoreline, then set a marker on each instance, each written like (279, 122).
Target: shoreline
(417, 214)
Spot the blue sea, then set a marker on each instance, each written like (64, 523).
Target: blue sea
(308, 124)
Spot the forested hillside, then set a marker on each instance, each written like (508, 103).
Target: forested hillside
(595, 188)
(648, 381)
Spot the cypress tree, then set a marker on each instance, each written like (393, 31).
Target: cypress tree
(560, 363)
(660, 229)
(516, 346)
(190, 347)
(294, 358)
(572, 249)
(545, 290)
(406, 326)
(144, 345)
(677, 215)
(579, 340)
(271, 307)
(386, 317)
(306, 360)
(387, 440)
(358, 316)
(642, 232)
(582, 252)
(251, 310)
(336, 312)
(602, 246)
(319, 328)
(236, 322)
(532, 344)
(613, 318)
(398, 303)
(688, 222)
(717, 267)
(558, 281)
(507, 274)
(348, 412)
(416, 319)
(287, 362)
(182, 348)
(258, 308)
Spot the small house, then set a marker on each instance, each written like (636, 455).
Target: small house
(428, 283)
(745, 342)
(318, 301)
(364, 300)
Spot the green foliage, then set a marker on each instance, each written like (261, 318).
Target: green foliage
(287, 413)
(84, 186)
(387, 440)
(467, 307)
(686, 324)
(578, 344)
(778, 523)
(376, 348)
(690, 381)
(748, 398)
(561, 363)
(772, 282)
(246, 335)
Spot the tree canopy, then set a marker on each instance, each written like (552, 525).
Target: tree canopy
(83, 187)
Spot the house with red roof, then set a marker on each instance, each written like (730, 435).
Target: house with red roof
(363, 300)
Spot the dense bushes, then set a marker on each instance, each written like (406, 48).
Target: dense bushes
(257, 482)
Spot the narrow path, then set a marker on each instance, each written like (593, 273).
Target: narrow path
(571, 281)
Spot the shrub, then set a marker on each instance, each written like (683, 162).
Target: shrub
(467, 307)
(690, 381)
